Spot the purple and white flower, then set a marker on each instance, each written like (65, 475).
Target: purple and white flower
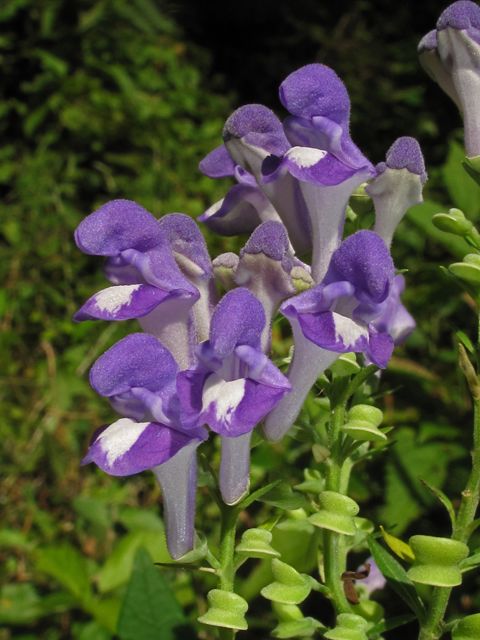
(138, 375)
(233, 386)
(148, 284)
(397, 186)
(326, 163)
(244, 207)
(336, 317)
(456, 47)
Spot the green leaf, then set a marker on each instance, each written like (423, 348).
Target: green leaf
(20, 604)
(402, 549)
(94, 631)
(140, 520)
(465, 340)
(443, 499)
(421, 216)
(393, 623)
(470, 563)
(96, 511)
(396, 577)
(117, 569)
(150, 610)
(68, 567)
(282, 495)
(463, 190)
(106, 612)
(406, 497)
(256, 495)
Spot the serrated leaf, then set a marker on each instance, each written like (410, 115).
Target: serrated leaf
(150, 611)
(400, 548)
(393, 623)
(396, 576)
(443, 499)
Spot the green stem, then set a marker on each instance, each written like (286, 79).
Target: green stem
(226, 634)
(333, 551)
(471, 495)
(431, 629)
(226, 572)
(333, 570)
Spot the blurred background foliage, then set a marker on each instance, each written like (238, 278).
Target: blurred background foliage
(104, 99)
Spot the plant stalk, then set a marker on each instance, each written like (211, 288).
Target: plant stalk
(333, 552)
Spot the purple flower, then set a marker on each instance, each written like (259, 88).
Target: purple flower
(326, 184)
(375, 579)
(336, 317)
(431, 62)
(191, 255)
(252, 134)
(264, 268)
(138, 375)
(233, 387)
(140, 262)
(457, 50)
(320, 108)
(244, 207)
(397, 186)
(395, 319)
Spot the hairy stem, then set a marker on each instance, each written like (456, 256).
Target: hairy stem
(226, 572)
(432, 629)
(333, 551)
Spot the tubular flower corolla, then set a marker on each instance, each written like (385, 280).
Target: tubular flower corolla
(336, 317)
(233, 386)
(138, 375)
(450, 55)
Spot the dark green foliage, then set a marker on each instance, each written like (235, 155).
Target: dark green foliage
(141, 618)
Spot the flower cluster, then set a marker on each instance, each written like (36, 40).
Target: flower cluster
(204, 361)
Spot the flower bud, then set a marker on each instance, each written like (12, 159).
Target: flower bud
(362, 423)
(336, 513)
(437, 561)
(255, 543)
(360, 201)
(290, 587)
(453, 222)
(225, 610)
(349, 627)
(346, 365)
(301, 279)
(224, 267)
